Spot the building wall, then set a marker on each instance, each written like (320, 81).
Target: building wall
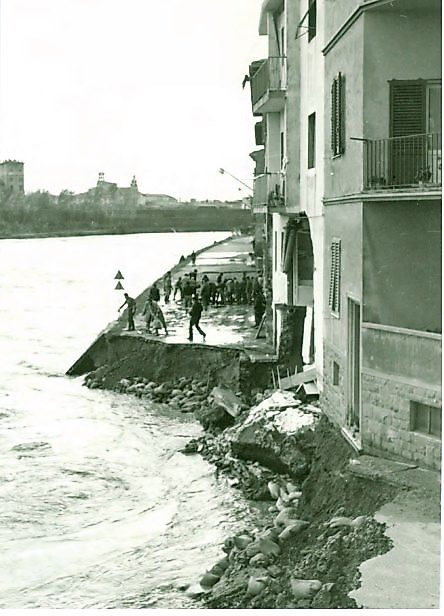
(402, 264)
(293, 109)
(344, 174)
(336, 14)
(398, 45)
(280, 295)
(272, 148)
(393, 378)
(12, 176)
(344, 222)
(312, 180)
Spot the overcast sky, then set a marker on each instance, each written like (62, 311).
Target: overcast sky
(145, 87)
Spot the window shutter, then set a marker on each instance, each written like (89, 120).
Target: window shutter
(338, 115)
(334, 293)
(407, 108)
(333, 115)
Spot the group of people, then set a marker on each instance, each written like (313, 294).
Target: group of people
(196, 298)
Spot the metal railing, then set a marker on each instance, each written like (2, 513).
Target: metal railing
(403, 162)
(269, 76)
(268, 190)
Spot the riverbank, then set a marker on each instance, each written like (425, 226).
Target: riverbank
(319, 522)
(326, 514)
(158, 220)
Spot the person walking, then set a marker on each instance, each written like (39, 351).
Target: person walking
(158, 318)
(154, 293)
(193, 258)
(167, 287)
(187, 293)
(195, 314)
(132, 307)
(259, 307)
(205, 294)
(178, 288)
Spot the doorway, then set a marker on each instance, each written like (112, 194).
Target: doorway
(354, 365)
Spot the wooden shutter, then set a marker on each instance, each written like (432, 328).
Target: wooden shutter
(407, 108)
(334, 293)
(338, 115)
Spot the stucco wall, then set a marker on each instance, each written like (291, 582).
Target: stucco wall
(292, 108)
(398, 45)
(402, 264)
(343, 222)
(336, 13)
(344, 174)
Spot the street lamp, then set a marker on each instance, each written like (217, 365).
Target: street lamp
(223, 171)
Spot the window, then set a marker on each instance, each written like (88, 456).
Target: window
(334, 293)
(335, 373)
(311, 140)
(425, 419)
(311, 19)
(338, 115)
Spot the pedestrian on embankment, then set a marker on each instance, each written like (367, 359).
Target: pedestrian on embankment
(154, 293)
(193, 258)
(167, 287)
(205, 293)
(187, 292)
(178, 288)
(132, 307)
(195, 314)
(158, 319)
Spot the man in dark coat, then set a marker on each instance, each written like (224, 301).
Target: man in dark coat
(154, 293)
(195, 314)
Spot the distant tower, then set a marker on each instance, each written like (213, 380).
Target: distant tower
(101, 178)
(134, 183)
(12, 176)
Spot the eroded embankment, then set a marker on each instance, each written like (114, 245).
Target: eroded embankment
(316, 525)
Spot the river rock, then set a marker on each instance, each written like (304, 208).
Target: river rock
(303, 589)
(258, 559)
(292, 529)
(208, 580)
(255, 586)
(241, 541)
(195, 591)
(274, 489)
(268, 547)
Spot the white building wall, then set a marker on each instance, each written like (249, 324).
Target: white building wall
(312, 180)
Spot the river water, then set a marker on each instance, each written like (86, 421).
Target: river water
(97, 507)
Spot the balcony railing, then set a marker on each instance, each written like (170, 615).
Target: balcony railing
(403, 162)
(269, 191)
(270, 77)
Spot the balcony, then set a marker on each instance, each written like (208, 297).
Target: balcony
(403, 162)
(268, 86)
(269, 192)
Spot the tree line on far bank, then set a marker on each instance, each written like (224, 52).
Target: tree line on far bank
(42, 213)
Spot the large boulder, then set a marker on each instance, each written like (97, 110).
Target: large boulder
(278, 434)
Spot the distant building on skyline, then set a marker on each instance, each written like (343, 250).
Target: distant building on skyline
(12, 176)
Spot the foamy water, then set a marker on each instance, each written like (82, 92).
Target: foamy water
(97, 507)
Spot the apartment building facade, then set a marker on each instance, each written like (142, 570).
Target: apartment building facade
(382, 217)
(287, 93)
